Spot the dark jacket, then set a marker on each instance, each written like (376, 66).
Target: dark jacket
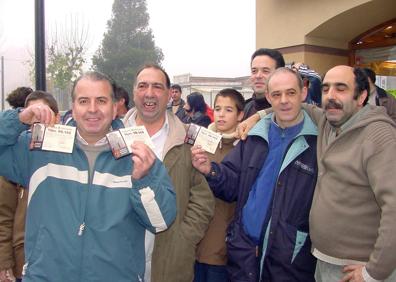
(199, 119)
(287, 242)
(253, 105)
(180, 112)
(386, 100)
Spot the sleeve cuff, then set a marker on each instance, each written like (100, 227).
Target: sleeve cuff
(367, 277)
(262, 113)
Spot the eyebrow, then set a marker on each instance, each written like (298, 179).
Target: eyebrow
(335, 84)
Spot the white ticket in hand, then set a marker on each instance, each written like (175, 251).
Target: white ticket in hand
(120, 141)
(136, 133)
(207, 139)
(59, 138)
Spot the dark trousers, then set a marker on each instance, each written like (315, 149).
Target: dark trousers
(210, 273)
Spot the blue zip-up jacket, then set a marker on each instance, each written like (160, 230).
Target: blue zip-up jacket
(82, 230)
(286, 244)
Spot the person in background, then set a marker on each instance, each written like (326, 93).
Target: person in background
(170, 255)
(87, 212)
(263, 62)
(272, 177)
(312, 81)
(177, 103)
(379, 97)
(122, 101)
(17, 97)
(195, 109)
(13, 205)
(211, 252)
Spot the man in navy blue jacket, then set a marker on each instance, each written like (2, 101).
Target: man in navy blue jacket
(272, 177)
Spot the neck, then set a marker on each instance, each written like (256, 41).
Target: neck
(152, 127)
(287, 124)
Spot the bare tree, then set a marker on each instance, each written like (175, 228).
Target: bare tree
(66, 48)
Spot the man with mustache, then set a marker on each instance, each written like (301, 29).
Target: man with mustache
(352, 218)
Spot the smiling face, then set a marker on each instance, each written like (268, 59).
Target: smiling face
(226, 115)
(151, 96)
(261, 68)
(286, 95)
(93, 109)
(338, 91)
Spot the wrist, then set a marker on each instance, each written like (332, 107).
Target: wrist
(367, 277)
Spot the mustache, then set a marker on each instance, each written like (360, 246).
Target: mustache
(333, 104)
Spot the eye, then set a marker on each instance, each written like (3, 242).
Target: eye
(253, 71)
(83, 101)
(291, 93)
(142, 86)
(325, 88)
(341, 88)
(158, 86)
(102, 101)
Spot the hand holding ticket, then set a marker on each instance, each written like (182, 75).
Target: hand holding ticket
(121, 140)
(205, 138)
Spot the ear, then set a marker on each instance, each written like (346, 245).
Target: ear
(240, 116)
(304, 93)
(114, 110)
(268, 97)
(57, 118)
(169, 95)
(362, 97)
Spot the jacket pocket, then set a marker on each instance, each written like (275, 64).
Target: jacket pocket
(241, 251)
(292, 248)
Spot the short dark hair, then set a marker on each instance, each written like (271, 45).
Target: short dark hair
(272, 53)
(157, 67)
(361, 83)
(48, 99)
(17, 97)
(196, 102)
(95, 76)
(177, 87)
(121, 93)
(234, 95)
(370, 74)
(287, 70)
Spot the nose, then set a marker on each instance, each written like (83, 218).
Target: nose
(283, 98)
(92, 106)
(259, 74)
(331, 93)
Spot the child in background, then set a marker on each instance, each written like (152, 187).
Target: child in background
(211, 252)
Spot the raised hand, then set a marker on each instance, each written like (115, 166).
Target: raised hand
(37, 113)
(200, 160)
(143, 159)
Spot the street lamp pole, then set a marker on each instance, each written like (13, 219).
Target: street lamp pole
(40, 45)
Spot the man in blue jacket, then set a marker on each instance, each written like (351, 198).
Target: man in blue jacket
(272, 177)
(88, 212)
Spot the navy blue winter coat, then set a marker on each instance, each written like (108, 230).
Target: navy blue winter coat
(286, 241)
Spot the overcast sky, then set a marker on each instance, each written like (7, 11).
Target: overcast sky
(204, 38)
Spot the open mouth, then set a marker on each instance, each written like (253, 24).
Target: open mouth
(149, 105)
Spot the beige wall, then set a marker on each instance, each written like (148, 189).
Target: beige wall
(319, 62)
(332, 24)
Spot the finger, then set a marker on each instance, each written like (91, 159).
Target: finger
(347, 277)
(350, 267)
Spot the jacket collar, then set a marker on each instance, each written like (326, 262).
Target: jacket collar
(261, 129)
